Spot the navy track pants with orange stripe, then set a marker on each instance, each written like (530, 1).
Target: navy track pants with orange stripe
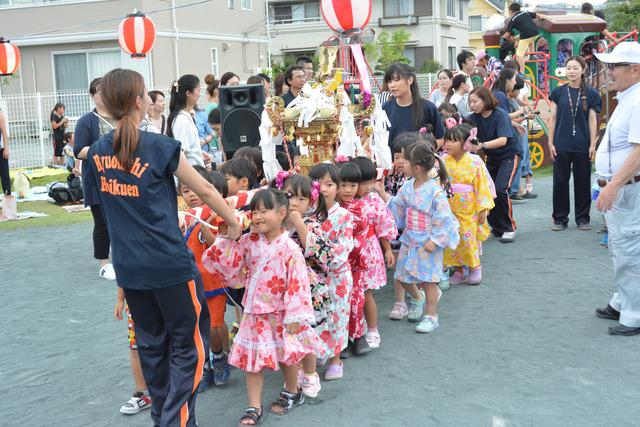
(172, 332)
(501, 216)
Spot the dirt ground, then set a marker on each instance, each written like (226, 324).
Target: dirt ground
(522, 349)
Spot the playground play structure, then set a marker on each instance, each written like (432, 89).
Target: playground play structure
(561, 36)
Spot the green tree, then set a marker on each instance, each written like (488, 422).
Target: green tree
(388, 48)
(623, 16)
(430, 66)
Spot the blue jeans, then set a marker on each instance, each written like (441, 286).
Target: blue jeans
(525, 164)
(623, 224)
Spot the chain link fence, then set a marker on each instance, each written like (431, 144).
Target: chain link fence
(29, 120)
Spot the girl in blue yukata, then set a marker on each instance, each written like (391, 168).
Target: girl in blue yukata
(422, 209)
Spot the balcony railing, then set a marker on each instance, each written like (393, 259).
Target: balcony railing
(276, 20)
(398, 20)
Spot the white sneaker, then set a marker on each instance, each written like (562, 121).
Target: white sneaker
(310, 385)
(508, 237)
(373, 339)
(138, 402)
(428, 324)
(107, 272)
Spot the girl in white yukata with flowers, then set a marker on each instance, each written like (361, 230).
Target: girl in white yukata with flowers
(276, 330)
(338, 233)
(422, 209)
(307, 211)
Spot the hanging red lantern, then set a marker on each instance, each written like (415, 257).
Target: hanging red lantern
(137, 34)
(9, 58)
(346, 15)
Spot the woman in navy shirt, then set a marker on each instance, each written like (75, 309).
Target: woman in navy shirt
(499, 142)
(573, 126)
(134, 172)
(89, 129)
(407, 110)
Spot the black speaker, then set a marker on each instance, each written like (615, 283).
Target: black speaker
(240, 111)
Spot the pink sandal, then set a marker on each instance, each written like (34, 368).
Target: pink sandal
(475, 276)
(457, 278)
(334, 372)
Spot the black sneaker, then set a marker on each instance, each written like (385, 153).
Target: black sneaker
(529, 195)
(516, 198)
(623, 330)
(347, 352)
(361, 346)
(559, 227)
(608, 313)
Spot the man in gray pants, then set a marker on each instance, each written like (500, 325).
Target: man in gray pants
(618, 172)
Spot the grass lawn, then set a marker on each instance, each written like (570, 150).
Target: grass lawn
(57, 215)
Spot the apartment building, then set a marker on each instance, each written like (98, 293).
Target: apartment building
(439, 28)
(64, 44)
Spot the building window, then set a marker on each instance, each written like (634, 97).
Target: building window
(451, 8)
(394, 8)
(451, 51)
(410, 53)
(247, 4)
(477, 22)
(214, 62)
(461, 10)
(74, 71)
(294, 13)
(232, 4)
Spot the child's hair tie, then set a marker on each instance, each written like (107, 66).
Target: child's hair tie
(473, 133)
(315, 191)
(175, 84)
(422, 131)
(341, 159)
(281, 177)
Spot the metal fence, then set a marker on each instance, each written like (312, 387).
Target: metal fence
(29, 123)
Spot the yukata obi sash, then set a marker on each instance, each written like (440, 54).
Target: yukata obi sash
(462, 188)
(270, 251)
(418, 220)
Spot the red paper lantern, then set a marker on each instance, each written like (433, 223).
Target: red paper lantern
(137, 35)
(9, 58)
(345, 15)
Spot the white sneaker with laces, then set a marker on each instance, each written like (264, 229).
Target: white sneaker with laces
(138, 402)
(428, 324)
(373, 339)
(107, 272)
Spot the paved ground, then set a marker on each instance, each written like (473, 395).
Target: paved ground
(522, 349)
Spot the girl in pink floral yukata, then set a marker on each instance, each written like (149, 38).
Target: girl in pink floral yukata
(376, 253)
(307, 211)
(338, 233)
(275, 331)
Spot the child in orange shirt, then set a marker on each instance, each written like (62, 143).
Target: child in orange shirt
(199, 237)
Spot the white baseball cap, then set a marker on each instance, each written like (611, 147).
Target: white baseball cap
(625, 52)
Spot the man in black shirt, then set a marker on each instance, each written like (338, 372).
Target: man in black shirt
(295, 78)
(523, 23)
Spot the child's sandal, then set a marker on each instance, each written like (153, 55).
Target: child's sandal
(286, 402)
(251, 414)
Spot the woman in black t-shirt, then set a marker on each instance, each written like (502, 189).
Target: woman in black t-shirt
(498, 140)
(133, 172)
(407, 110)
(573, 126)
(58, 125)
